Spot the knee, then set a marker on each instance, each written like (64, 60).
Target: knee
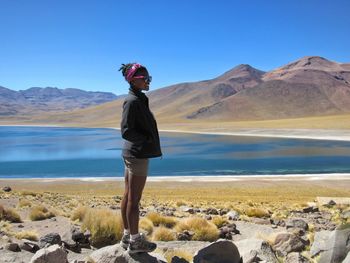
(133, 202)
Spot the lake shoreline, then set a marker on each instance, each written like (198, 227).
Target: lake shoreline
(226, 178)
(309, 134)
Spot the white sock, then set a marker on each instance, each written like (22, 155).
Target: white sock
(126, 232)
(134, 237)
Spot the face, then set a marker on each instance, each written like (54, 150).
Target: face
(141, 80)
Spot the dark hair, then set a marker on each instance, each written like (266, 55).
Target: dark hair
(126, 67)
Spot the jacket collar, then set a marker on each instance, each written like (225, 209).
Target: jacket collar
(135, 92)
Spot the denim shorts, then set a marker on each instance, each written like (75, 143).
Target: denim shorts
(136, 166)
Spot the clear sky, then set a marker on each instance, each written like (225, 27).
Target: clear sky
(81, 44)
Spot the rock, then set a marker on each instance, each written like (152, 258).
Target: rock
(331, 203)
(79, 236)
(176, 259)
(310, 209)
(14, 247)
(227, 231)
(52, 254)
(211, 211)
(187, 209)
(7, 189)
(232, 215)
(261, 247)
(221, 251)
(29, 245)
(347, 259)
(296, 257)
(208, 217)
(288, 242)
(116, 254)
(319, 243)
(334, 248)
(345, 214)
(50, 239)
(297, 223)
(185, 235)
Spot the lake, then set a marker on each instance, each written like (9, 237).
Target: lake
(45, 152)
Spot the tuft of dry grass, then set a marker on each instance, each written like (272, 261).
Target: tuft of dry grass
(203, 230)
(40, 213)
(256, 212)
(105, 226)
(163, 234)
(79, 213)
(27, 234)
(24, 203)
(10, 215)
(158, 220)
(169, 254)
(25, 193)
(219, 221)
(146, 225)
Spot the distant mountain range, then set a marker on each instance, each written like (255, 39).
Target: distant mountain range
(310, 86)
(37, 100)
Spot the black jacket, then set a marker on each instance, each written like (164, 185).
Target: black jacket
(139, 127)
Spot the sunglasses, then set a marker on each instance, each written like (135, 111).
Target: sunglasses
(147, 79)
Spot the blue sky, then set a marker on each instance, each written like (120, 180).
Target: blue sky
(81, 44)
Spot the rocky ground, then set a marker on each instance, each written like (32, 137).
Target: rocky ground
(316, 231)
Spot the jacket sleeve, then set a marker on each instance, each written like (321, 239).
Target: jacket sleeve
(128, 129)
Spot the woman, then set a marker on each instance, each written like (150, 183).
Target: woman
(139, 129)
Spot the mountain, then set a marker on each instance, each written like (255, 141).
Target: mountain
(36, 100)
(309, 87)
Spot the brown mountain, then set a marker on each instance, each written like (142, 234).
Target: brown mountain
(310, 86)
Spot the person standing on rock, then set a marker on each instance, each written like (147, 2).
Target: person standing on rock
(140, 132)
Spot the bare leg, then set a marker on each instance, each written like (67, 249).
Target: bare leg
(136, 185)
(124, 202)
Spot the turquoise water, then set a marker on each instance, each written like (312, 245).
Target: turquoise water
(31, 152)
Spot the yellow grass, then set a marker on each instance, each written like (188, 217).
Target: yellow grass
(24, 203)
(256, 212)
(163, 234)
(27, 234)
(158, 219)
(219, 221)
(169, 254)
(79, 213)
(203, 230)
(40, 213)
(146, 225)
(105, 226)
(9, 214)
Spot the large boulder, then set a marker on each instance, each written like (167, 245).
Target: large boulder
(52, 254)
(116, 254)
(221, 251)
(334, 248)
(287, 242)
(254, 249)
(50, 239)
(296, 257)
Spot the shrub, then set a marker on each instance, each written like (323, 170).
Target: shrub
(257, 212)
(169, 254)
(105, 226)
(40, 213)
(24, 203)
(79, 213)
(219, 221)
(158, 220)
(146, 225)
(29, 234)
(203, 230)
(163, 234)
(9, 214)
